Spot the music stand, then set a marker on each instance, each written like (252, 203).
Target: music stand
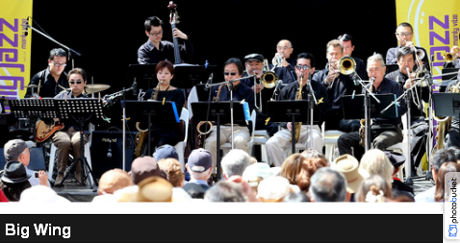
(80, 110)
(188, 75)
(353, 107)
(145, 75)
(156, 111)
(289, 111)
(221, 113)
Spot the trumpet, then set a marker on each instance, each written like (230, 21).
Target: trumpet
(451, 56)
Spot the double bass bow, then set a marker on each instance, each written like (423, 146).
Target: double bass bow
(173, 20)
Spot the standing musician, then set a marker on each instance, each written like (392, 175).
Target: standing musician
(384, 131)
(69, 137)
(284, 63)
(156, 49)
(337, 85)
(53, 79)
(404, 35)
(405, 77)
(164, 133)
(233, 69)
(348, 48)
(281, 141)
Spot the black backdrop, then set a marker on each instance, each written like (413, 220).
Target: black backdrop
(108, 33)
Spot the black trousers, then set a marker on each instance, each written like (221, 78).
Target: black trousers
(381, 139)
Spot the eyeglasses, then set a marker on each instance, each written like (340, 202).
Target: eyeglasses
(231, 74)
(404, 33)
(59, 64)
(282, 48)
(302, 67)
(75, 82)
(156, 34)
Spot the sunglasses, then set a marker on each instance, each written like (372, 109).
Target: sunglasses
(232, 74)
(75, 82)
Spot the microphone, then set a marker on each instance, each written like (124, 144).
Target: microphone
(134, 87)
(26, 31)
(209, 81)
(109, 151)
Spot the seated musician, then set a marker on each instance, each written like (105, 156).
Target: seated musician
(348, 48)
(164, 133)
(405, 76)
(452, 135)
(53, 79)
(281, 141)
(337, 85)
(233, 69)
(384, 131)
(69, 138)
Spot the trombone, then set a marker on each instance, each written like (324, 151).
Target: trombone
(451, 56)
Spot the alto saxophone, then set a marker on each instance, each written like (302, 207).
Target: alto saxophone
(142, 135)
(298, 125)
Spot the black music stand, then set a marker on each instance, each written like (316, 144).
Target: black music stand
(290, 111)
(353, 108)
(33, 109)
(221, 113)
(188, 75)
(80, 110)
(156, 112)
(144, 74)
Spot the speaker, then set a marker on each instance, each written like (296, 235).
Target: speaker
(37, 159)
(107, 151)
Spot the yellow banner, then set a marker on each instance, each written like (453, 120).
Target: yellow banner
(435, 25)
(15, 47)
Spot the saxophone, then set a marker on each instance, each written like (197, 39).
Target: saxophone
(142, 135)
(201, 134)
(298, 125)
(444, 123)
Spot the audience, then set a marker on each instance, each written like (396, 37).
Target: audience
(273, 189)
(349, 167)
(173, 170)
(41, 194)
(255, 173)
(298, 170)
(199, 166)
(14, 180)
(154, 189)
(225, 191)
(440, 179)
(144, 167)
(328, 185)
(375, 188)
(234, 163)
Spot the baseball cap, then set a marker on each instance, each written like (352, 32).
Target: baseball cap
(199, 160)
(165, 151)
(13, 148)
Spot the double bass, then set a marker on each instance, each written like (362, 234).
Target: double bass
(173, 20)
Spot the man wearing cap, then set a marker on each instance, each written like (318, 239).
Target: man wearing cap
(144, 167)
(165, 151)
(349, 167)
(19, 150)
(397, 186)
(199, 166)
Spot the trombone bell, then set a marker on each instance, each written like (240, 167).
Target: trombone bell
(347, 65)
(269, 79)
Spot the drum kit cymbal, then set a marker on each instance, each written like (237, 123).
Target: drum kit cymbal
(94, 88)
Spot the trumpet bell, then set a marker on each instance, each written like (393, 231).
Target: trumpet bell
(269, 79)
(347, 65)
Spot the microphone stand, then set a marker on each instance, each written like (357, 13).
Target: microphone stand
(69, 50)
(311, 94)
(124, 124)
(366, 108)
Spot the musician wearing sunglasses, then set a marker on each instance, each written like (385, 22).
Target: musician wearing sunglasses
(281, 141)
(233, 69)
(69, 138)
(384, 132)
(405, 34)
(156, 49)
(337, 85)
(51, 81)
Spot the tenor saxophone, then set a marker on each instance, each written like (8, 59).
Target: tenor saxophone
(298, 125)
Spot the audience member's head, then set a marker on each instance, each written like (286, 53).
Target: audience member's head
(225, 191)
(374, 189)
(298, 170)
(195, 191)
(199, 164)
(234, 163)
(18, 150)
(375, 162)
(456, 151)
(440, 179)
(273, 189)
(328, 185)
(173, 171)
(41, 194)
(440, 157)
(349, 167)
(296, 197)
(154, 189)
(144, 167)
(113, 180)
(318, 158)
(14, 180)
(255, 173)
(396, 159)
(164, 152)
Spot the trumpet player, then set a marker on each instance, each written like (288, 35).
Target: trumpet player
(282, 62)
(404, 35)
(384, 131)
(281, 141)
(454, 61)
(337, 85)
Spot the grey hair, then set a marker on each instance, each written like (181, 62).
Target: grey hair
(328, 185)
(375, 58)
(235, 162)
